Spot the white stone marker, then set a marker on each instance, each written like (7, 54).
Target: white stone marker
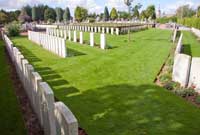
(179, 45)
(99, 29)
(181, 69)
(194, 80)
(117, 31)
(112, 31)
(95, 29)
(69, 35)
(81, 37)
(103, 30)
(48, 109)
(66, 123)
(107, 30)
(103, 41)
(92, 39)
(75, 38)
(174, 36)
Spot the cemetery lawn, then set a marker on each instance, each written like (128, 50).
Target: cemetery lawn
(111, 92)
(11, 121)
(191, 44)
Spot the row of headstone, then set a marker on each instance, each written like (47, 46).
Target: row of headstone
(196, 32)
(186, 71)
(174, 35)
(179, 45)
(95, 29)
(52, 43)
(133, 28)
(68, 35)
(55, 117)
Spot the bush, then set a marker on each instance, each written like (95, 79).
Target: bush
(184, 92)
(13, 29)
(197, 100)
(190, 22)
(171, 85)
(165, 78)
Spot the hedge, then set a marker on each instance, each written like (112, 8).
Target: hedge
(190, 22)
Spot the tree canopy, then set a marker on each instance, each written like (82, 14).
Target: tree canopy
(106, 14)
(59, 14)
(67, 15)
(185, 11)
(113, 14)
(50, 14)
(24, 17)
(80, 14)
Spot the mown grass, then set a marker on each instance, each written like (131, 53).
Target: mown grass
(191, 44)
(111, 92)
(11, 121)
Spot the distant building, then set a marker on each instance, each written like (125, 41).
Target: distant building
(159, 13)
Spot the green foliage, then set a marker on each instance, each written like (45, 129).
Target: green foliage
(13, 28)
(190, 22)
(50, 14)
(28, 10)
(171, 85)
(80, 14)
(197, 99)
(59, 14)
(151, 12)
(164, 20)
(184, 92)
(165, 78)
(135, 10)
(113, 14)
(34, 14)
(143, 15)
(185, 11)
(24, 17)
(198, 11)
(106, 14)
(124, 15)
(67, 15)
(3, 17)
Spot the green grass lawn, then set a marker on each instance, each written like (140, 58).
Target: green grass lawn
(11, 121)
(111, 92)
(191, 44)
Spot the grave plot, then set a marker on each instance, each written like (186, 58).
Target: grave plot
(118, 84)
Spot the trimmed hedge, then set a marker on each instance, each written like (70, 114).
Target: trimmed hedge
(190, 22)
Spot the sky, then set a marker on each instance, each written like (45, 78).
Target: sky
(167, 6)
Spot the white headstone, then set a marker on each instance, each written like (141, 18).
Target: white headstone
(92, 39)
(194, 80)
(81, 37)
(181, 69)
(103, 41)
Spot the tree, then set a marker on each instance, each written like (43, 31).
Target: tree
(80, 14)
(151, 12)
(67, 15)
(113, 14)
(40, 11)
(3, 17)
(124, 15)
(13, 15)
(49, 14)
(198, 11)
(128, 3)
(24, 17)
(185, 11)
(143, 15)
(135, 10)
(34, 14)
(106, 14)
(59, 14)
(28, 10)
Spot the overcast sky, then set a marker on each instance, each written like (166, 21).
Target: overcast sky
(167, 6)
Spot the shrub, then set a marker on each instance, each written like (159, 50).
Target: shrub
(197, 100)
(184, 92)
(165, 78)
(13, 29)
(171, 85)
